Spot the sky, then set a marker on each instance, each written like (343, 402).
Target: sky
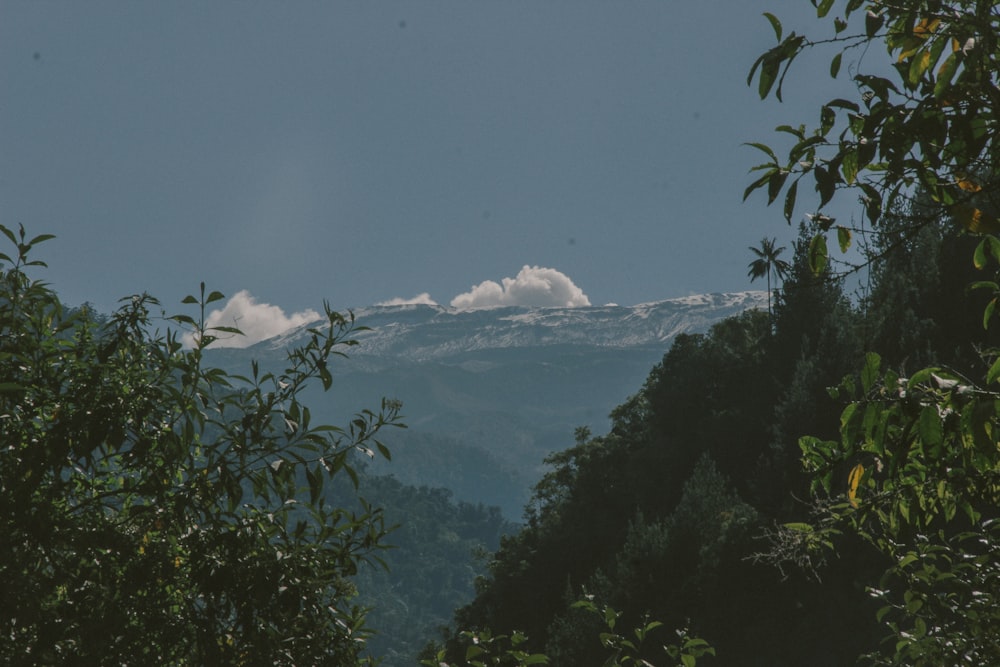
(461, 153)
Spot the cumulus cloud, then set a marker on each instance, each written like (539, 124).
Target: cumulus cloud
(533, 286)
(259, 321)
(421, 299)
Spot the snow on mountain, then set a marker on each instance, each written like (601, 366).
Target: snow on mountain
(421, 332)
(488, 393)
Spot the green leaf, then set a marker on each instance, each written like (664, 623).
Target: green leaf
(870, 373)
(768, 75)
(988, 312)
(826, 184)
(757, 184)
(979, 255)
(918, 65)
(230, 330)
(827, 119)
(823, 8)
(9, 234)
(843, 238)
(983, 284)
(763, 148)
(929, 427)
(40, 238)
(818, 254)
(189, 299)
(797, 132)
(850, 165)
(774, 185)
(873, 22)
(689, 660)
(183, 319)
(872, 200)
(799, 527)
(775, 23)
(994, 372)
(994, 247)
(945, 74)
(315, 479)
(790, 196)
(835, 65)
(215, 296)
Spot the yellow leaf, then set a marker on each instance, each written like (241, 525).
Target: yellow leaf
(968, 186)
(853, 479)
(975, 220)
(926, 27)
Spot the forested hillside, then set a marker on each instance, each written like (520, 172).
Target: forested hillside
(663, 515)
(821, 482)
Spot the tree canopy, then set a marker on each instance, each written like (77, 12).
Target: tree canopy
(154, 510)
(916, 468)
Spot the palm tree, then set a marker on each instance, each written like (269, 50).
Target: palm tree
(767, 262)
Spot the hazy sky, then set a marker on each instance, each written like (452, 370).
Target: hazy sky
(361, 152)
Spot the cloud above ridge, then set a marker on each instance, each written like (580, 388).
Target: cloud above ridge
(258, 321)
(533, 286)
(423, 299)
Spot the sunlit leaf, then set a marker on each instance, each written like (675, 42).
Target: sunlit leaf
(843, 238)
(818, 254)
(974, 220)
(853, 479)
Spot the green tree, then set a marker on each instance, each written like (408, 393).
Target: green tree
(157, 511)
(768, 264)
(916, 470)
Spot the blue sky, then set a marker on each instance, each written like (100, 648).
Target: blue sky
(361, 152)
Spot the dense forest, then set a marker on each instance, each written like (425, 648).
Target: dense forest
(664, 514)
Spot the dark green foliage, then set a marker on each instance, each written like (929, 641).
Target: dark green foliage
(921, 311)
(917, 455)
(472, 473)
(154, 510)
(817, 340)
(431, 567)
(711, 393)
(662, 514)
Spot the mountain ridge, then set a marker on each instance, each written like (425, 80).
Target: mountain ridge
(488, 393)
(423, 332)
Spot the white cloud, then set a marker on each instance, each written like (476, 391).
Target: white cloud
(258, 321)
(422, 299)
(533, 286)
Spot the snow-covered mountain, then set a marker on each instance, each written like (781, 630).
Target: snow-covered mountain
(421, 332)
(488, 393)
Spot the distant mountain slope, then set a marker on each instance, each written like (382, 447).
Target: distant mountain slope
(506, 386)
(422, 332)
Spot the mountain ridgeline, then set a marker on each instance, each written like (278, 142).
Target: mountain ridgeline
(487, 394)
